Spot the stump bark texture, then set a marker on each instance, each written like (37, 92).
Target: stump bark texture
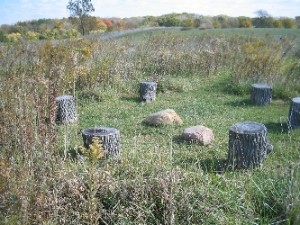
(109, 137)
(148, 91)
(66, 109)
(248, 145)
(261, 94)
(294, 113)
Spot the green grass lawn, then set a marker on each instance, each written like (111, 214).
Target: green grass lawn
(239, 197)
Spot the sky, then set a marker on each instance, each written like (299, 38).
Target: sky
(12, 11)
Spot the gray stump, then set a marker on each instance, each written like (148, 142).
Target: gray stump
(148, 91)
(261, 94)
(248, 145)
(66, 109)
(109, 137)
(294, 113)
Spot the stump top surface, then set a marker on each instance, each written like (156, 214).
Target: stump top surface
(64, 97)
(261, 85)
(248, 128)
(149, 82)
(296, 100)
(99, 131)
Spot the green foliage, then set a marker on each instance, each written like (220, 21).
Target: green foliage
(288, 23)
(168, 21)
(187, 23)
(3, 37)
(264, 19)
(245, 22)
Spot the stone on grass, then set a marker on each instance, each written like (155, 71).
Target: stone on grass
(165, 117)
(199, 134)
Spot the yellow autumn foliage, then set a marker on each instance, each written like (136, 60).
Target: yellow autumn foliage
(95, 150)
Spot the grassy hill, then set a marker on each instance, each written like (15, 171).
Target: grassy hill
(204, 75)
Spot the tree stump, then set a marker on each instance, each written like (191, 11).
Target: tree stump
(248, 145)
(294, 113)
(66, 110)
(148, 91)
(261, 94)
(109, 137)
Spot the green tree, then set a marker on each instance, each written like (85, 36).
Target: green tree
(288, 22)
(3, 37)
(80, 9)
(263, 20)
(277, 24)
(168, 21)
(245, 22)
(189, 23)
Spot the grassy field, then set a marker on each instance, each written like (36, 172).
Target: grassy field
(159, 179)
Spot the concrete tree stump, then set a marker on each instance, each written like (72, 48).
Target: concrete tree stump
(248, 145)
(148, 91)
(109, 137)
(66, 109)
(294, 113)
(261, 94)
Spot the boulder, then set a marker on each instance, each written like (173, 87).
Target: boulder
(165, 117)
(199, 134)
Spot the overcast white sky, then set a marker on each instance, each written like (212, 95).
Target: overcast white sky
(12, 11)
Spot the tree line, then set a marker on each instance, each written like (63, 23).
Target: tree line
(83, 24)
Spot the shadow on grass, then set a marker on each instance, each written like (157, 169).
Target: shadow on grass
(214, 165)
(179, 140)
(241, 103)
(208, 165)
(131, 99)
(277, 128)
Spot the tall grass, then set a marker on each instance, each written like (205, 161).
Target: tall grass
(159, 180)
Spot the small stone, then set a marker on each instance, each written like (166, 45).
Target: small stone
(199, 134)
(165, 117)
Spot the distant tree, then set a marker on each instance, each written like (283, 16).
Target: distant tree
(223, 21)
(14, 37)
(264, 19)
(245, 22)
(206, 22)
(107, 23)
(197, 22)
(3, 37)
(288, 22)
(80, 9)
(32, 36)
(217, 24)
(188, 23)
(168, 21)
(277, 24)
(150, 21)
(298, 21)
